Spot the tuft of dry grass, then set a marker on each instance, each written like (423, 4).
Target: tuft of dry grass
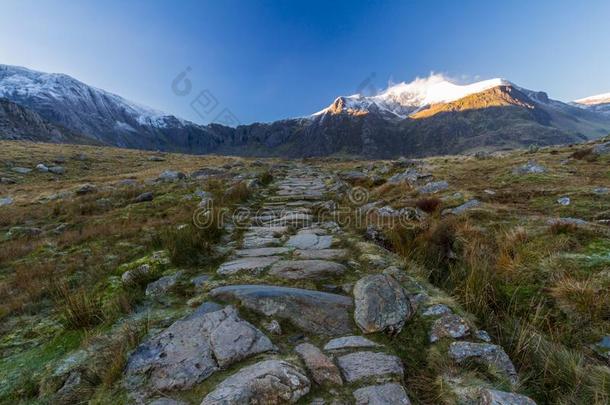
(429, 205)
(81, 309)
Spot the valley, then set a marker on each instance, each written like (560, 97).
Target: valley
(129, 276)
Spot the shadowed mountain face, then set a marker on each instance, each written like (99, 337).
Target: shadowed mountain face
(20, 123)
(417, 119)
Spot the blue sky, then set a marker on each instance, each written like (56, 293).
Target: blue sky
(266, 60)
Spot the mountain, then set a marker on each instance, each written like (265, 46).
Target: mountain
(20, 123)
(100, 115)
(425, 117)
(599, 103)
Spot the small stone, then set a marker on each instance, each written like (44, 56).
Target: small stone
(133, 276)
(564, 201)
(86, 189)
(381, 303)
(494, 397)
(42, 168)
(322, 369)
(434, 187)
(349, 342)
(163, 285)
(483, 335)
(21, 170)
(601, 190)
(451, 326)
(7, 180)
(463, 208)
(148, 196)
(5, 201)
(200, 281)
(436, 310)
(386, 394)
(57, 170)
(490, 192)
(490, 355)
(365, 365)
(156, 159)
(170, 176)
(530, 167)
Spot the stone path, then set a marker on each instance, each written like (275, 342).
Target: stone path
(319, 354)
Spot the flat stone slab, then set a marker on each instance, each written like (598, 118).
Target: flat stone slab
(381, 304)
(322, 254)
(321, 368)
(349, 342)
(192, 349)
(266, 382)
(385, 394)
(269, 251)
(250, 265)
(494, 397)
(306, 269)
(490, 355)
(310, 241)
(364, 365)
(313, 311)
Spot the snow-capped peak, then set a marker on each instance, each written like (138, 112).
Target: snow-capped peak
(404, 98)
(24, 83)
(593, 100)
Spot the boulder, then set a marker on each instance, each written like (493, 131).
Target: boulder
(369, 365)
(321, 368)
(192, 349)
(313, 311)
(386, 394)
(601, 149)
(265, 382)
(306, 269)
(381, 304)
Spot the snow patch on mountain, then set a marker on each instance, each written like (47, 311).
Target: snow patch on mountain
(19, 82)
(403, 98)
(593, 100)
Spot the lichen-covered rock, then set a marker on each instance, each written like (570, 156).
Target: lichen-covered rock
(322, 369)
(191, 350)
(313, 311)
(449, 326)
(385, 394)
(163, 285)
(266, 382)
(381, 304)
(492, 356)
(494, 397)
(364, 365)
